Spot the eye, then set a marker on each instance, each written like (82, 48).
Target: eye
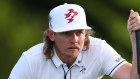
(79, 32)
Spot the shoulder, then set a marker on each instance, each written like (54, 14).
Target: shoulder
(34, 53)
(101, 47)
(96, 41)
(37, 49)
(104, 56)
(29, 63)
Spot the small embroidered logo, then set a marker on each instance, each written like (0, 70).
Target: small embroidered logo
(118, 59)
(70, 16)
(83, 69)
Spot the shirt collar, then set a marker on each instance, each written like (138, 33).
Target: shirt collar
(57, 62)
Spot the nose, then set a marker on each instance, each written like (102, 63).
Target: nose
(74, 38)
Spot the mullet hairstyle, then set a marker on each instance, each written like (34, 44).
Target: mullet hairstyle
(48, 44)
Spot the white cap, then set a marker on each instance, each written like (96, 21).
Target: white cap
(67, 17)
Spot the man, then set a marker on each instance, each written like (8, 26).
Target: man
(69, 52)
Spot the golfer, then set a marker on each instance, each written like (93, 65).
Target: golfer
(70, 52)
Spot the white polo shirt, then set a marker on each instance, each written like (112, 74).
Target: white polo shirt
(99, 60)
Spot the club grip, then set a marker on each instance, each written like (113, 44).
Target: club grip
(138, 49)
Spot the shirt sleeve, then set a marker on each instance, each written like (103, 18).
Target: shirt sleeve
(111, 60)
(21, 70)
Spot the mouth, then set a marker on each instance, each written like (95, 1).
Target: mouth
(73, 50)
(74, 47)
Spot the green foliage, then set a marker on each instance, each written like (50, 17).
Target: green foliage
(22, 23)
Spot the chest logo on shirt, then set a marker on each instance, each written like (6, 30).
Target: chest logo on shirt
(70, 16)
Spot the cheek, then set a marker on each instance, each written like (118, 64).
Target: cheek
(60, 43)
(81, 42)
(61, 47)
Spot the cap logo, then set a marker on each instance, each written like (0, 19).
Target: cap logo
(70, 16)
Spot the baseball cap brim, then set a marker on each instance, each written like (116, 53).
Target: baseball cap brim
(64, 29)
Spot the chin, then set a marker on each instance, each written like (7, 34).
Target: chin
(73, 54)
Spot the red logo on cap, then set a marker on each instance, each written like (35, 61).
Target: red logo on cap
(69, 15)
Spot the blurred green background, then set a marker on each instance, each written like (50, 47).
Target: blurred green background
(22, 23)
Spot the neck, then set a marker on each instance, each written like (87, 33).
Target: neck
(66, 59)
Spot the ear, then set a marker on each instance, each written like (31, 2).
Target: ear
(85, 31)
(50, 34)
